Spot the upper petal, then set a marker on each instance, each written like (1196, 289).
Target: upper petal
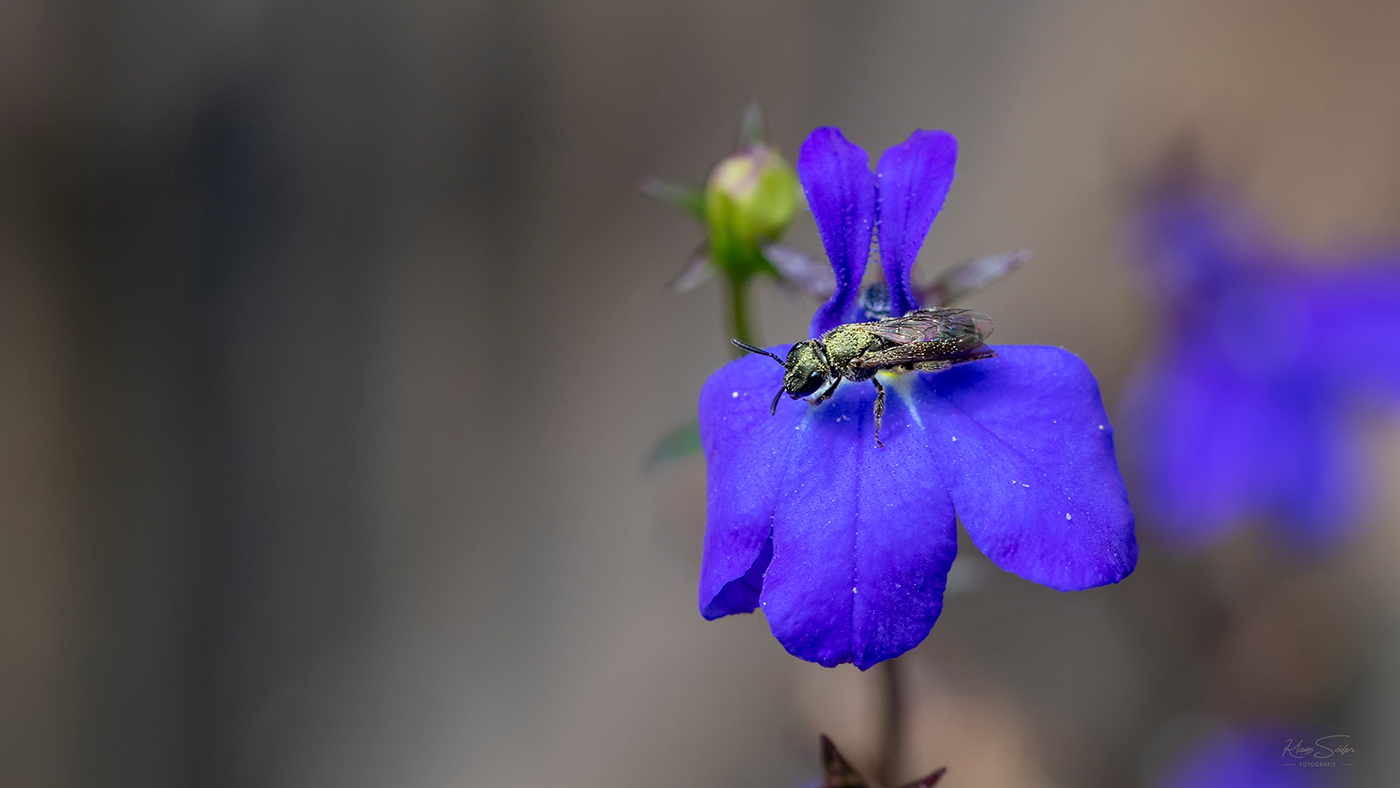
(746, 452)
(862, 536)
(1027, 453)
(1191, 240)
(914, 177)
(840, 189)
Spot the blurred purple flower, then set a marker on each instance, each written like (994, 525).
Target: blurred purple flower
(1243, 405)
(1251, 758)
(847, 546)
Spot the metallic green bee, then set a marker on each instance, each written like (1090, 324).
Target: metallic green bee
(926, 340)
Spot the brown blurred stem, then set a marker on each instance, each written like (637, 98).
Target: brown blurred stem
(892, 729)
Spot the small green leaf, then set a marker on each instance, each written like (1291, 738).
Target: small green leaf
(677, 444)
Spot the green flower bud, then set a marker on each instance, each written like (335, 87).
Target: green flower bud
(750, 198)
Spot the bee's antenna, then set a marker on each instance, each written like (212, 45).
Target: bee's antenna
(759, 350)
(773, 411)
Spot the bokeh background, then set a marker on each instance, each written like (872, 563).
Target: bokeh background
(333, 341)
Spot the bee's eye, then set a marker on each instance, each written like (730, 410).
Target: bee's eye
(811, 384)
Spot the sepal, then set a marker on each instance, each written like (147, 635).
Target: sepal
(698, 270)
(677, 195)
(840, 774)
(969, 276)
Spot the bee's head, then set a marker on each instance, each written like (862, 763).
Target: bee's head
(806, 372)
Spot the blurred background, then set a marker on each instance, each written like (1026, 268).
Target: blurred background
(333, 340)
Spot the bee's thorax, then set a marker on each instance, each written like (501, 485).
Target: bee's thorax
(845, 344)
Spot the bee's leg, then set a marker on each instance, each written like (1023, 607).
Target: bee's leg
(879, 410)
(827, 392)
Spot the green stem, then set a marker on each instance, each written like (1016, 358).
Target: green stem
(739, 310)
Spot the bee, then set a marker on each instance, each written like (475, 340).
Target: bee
(925, 340)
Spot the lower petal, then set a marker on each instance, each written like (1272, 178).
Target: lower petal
(746, 452)
(862, 536)
(1027, 452)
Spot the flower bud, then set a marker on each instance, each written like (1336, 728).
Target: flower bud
(750, 198)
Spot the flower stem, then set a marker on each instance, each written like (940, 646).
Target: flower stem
(892, 729)
(739, 310)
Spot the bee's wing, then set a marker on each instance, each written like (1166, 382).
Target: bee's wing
(954, 330)
(925, 356)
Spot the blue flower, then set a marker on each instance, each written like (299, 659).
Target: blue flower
(845, 545)
(1255, 757)
(1243, 409)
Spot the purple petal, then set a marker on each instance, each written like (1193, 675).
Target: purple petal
(1027, 452)
(840, 189)
(1253, 758)
(1218, 446)
(862, 536)
(746, 452)
(914, 178)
